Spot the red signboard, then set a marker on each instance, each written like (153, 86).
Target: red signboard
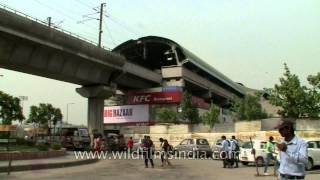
(155, 98)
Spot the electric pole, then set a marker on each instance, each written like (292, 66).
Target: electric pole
(100, 23)
(49, 21)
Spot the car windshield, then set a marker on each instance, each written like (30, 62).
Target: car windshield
(202, 142)
(219, 142)
(83, 132)
(247, 145)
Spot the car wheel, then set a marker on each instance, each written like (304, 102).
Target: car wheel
(309, 166)
(260, 162)
(245, 163)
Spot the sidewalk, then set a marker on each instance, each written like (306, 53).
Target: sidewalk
(35, 164)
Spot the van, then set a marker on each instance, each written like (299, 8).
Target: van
(246, 156)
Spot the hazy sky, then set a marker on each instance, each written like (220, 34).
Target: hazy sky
(247, 41)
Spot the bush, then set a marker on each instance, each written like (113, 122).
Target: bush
(21, 141)
(30, 143)
(56, 146)
(43, 147)
(4, 136)
(166, 115)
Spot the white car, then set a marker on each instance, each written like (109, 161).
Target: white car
(246, 155)
(313, 153)
(137, 146)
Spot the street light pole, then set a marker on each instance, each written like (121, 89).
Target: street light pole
(22, 99)
(68, 111)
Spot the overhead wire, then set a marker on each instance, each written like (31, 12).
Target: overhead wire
(114, 20)
(86, 5)
(110, 35)
(88, 34)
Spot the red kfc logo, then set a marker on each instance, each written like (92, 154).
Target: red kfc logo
(141, 98)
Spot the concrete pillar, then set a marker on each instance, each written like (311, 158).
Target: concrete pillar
(96, 96)
(95, 114)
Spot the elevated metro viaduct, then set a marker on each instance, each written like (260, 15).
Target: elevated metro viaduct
(34, 48)
(30, 46)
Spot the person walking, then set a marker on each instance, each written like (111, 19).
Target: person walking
(269, 150)
(148, 151)
(235, 149)
(225, 154)
(166, 149)
(98, 143)
(293, 152)
(130, 145)
(161, 151)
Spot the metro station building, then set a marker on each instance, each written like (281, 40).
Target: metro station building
(180, 70)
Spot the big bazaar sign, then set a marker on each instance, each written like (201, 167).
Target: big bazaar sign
(126, 114)
(154, 98)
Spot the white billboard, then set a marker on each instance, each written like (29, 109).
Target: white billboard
(126, 114)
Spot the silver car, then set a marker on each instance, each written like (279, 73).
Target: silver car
(195, 147)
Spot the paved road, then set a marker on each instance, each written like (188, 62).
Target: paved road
(134, 169)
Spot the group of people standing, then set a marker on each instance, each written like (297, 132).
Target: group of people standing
(148, 148)
(230, 152)
(290, 155)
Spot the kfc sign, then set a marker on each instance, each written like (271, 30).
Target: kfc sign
(155, 98)
(142, 98)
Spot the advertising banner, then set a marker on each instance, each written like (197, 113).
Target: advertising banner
(131, 114)
(155, 98)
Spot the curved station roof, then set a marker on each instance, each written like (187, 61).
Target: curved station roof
(154, 52)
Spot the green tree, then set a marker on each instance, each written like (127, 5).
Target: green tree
(211, 116)
(10, 109)
(313, 98)
(167, 115)
(189, 111)
(290, 95)
(249, 108)
(43, 114)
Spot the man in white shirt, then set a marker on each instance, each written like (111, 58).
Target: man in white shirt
(234, 151)
(293, 152)
(225, 152)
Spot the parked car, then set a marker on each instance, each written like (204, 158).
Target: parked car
(217, 146)
(246, 155)
(75, 137)
(313, 154)
(115, 142)
(193, 147)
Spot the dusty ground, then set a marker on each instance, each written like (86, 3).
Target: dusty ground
(134, 169)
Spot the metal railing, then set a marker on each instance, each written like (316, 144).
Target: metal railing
(7, 8)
